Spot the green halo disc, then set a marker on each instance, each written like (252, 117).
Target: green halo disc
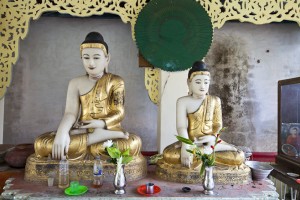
(173, 34)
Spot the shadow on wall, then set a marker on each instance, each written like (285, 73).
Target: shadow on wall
(228, 64)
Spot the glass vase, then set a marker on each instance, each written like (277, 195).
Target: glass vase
(120, 180)
(208, 181)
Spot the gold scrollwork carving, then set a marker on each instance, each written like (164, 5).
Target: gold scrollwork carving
(16, 15)
(151, 83)
(253, 11)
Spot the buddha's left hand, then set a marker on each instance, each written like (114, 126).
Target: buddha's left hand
(93, 124)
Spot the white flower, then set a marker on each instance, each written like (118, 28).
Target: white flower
(207, 150)
(108, 144)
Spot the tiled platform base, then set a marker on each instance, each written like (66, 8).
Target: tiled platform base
(169, 190)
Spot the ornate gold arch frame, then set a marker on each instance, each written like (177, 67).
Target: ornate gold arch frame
(16, 15)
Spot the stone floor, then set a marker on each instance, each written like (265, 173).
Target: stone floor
(169, 190)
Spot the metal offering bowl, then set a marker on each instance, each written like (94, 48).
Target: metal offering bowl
(259, 170)
(186, 189)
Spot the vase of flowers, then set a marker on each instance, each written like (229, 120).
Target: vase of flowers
(208, 161)
(120, 180)
(120, 159)
(208, 181)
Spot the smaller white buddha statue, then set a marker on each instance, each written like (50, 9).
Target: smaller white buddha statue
(199, 118)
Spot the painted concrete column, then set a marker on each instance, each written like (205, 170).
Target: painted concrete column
(172, 86)
(1, 119)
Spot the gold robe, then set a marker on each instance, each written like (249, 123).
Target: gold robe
(207, 120)
(104, 102)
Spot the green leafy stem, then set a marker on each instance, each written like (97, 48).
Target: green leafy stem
(207, 159)
(116, 155)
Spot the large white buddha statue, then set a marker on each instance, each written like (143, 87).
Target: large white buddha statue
(93, 114)
(199, 118)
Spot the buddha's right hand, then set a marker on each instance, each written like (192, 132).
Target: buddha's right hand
(93, 124)
(60, 146)
(186, 157)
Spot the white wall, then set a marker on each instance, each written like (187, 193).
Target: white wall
(172, 86)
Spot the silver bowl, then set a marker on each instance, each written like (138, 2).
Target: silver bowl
(259, 170)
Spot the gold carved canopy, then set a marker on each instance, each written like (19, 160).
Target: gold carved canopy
(16, 15)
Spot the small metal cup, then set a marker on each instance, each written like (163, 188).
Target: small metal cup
(150, 188)
(50, 181)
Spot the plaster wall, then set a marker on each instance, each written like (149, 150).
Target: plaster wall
(49, 58)
(246, 62)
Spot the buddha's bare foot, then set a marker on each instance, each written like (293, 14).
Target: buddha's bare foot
(234, 148)
(178, 145)
(126, 135)
(123, 135)
(225, 147)
(100, 135)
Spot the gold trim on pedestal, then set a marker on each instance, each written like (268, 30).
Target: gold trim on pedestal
(222, 174)
(37, 170)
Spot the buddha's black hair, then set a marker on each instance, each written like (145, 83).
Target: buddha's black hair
(95, 37)
(197, 66)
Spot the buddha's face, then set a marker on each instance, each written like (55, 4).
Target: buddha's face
(199, 85)
(94, 61)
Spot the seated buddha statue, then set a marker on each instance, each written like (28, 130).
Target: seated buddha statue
(93, 114)
(199, 118)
